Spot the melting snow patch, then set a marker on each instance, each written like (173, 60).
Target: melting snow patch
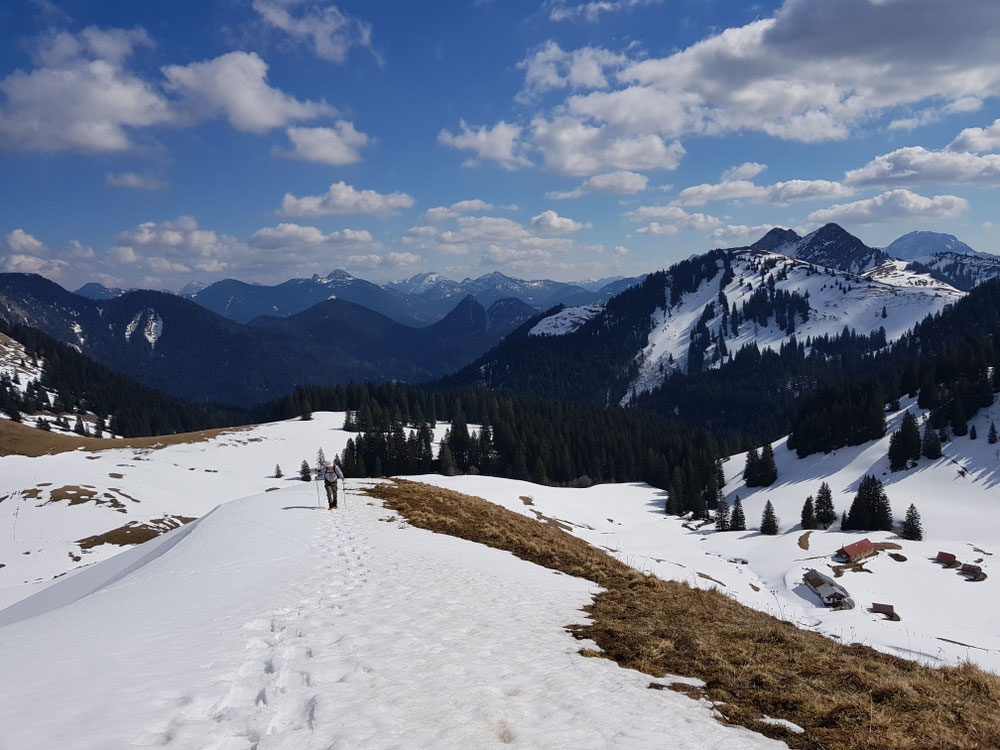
(153, 329)
(791, 727)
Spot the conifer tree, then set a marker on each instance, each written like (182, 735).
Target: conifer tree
(972, 432)
(991, 436)
(737, 521)
(808, 514)
(768, 520)
(722, 516)
(277, 472)
(752, 468)
(305, 473)
(768, 469)
(959, 420)
(826, 514)
(320, 459)
(870, 509)
(898, 459)
(911, 528)
(910, 437)
(446, 462)
(931, 446)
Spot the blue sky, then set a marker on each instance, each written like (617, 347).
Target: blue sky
(155, 144)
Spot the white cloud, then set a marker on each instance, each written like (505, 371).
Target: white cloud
(235, 86)
(621, 250)
(295, 235)
(933, 114)
(613, 183)
(916, 165)
(133, 180)
(80, 97)
(501, 144)
(645, 213)
(549, 222)
(403, 259)
(894, 205)
(443, 213)
(697, 222)
(19, 241)
(560, 10)
(549, 67)
(803, 74)
(779, 193)
(741, 232)
(745, 171)
(328, 31)
(336, 146)
(978, 139)
(571, 146)
(342, 198)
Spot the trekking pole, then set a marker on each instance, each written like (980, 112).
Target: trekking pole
(319, 503)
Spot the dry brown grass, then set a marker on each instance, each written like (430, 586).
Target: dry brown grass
(845, 697)
(804, 541)
(135, 532)
(20, 440)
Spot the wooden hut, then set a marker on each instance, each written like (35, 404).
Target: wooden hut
(857, 551)
(946, 557)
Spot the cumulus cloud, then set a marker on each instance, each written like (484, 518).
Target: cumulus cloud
(613, 183)
(342, 198)
(19, 241)
(133, 180)
(549, 67)
(787, 191)
(329, 32)
(915, 165)
(591, 11)
(741, 232)
(573, 147)
(549, 222)
(745, 171)
(893, 205)
(443, 213)
(335, 146)
(696, 221)
(80, 97)
(500, 144)
(978, 139)
(295, 235)
(235, 86)
(805, 75)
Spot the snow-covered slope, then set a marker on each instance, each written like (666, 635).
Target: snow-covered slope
(943, 618)
(836, 300)
(566, 320)
(271, 623)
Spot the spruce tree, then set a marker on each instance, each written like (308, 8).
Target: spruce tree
(808, 514)
(870, 510)
(991, 436)
(972, 432)
(277, 472)
(320, 459)
(305, 473)
(752, 469)
(898, 459)
(737, 521)
(931, 447)
(910, 437)
(959, 420)
(768, 520)
(826, 514)
(722, 516)
(768, 469)
(911, 528)
(446, 462)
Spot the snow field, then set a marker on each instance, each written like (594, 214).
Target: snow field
(271, 623)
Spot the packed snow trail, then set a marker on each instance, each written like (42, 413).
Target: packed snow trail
(272, 624)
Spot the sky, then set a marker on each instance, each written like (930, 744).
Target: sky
(158, 144)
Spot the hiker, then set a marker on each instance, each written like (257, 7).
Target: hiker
(330, 474)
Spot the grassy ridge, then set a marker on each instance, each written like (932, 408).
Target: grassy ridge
(845, 697)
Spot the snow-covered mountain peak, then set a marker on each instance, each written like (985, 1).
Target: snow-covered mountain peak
(832, 246)
(924, 245)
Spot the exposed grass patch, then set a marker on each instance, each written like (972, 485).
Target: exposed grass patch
(844, 697)
(804, 541)
(21, 440)
(135, 532)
